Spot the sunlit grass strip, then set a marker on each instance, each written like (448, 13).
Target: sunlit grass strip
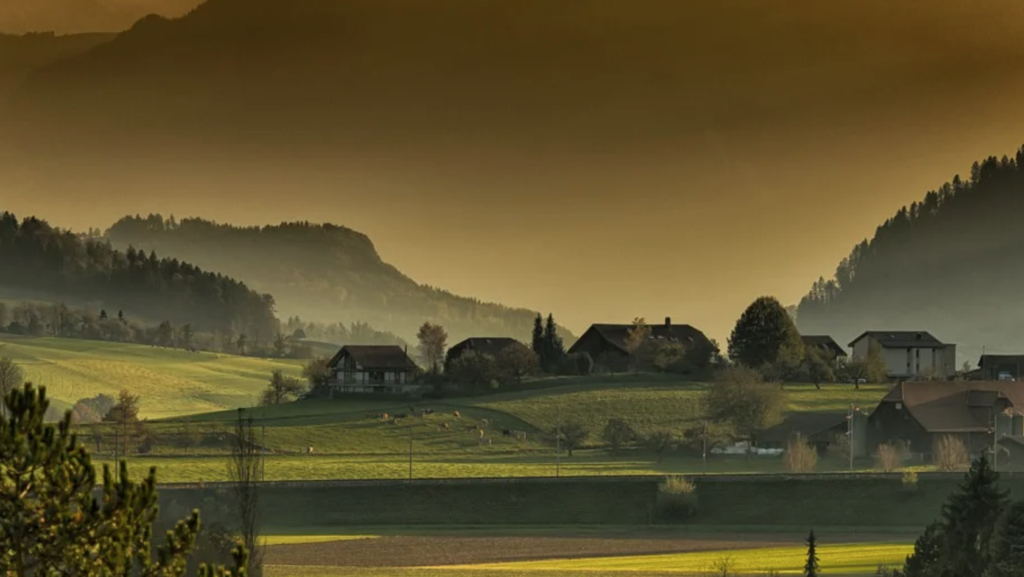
(849, 559)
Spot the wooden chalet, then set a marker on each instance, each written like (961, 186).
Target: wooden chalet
(606, 344)
(490, 346)
(375, 369)
(827, 345)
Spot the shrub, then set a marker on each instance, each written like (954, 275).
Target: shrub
(800, 457)
(950, 453)
(909, 482)
(677, 499)
(890, 457)
(584, 364)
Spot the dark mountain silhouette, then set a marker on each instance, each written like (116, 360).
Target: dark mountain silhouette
(73, 16)
(951, 264)
(21, 54)
(323, 272)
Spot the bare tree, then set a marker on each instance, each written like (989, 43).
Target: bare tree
(245, 474)
(11, 378)
(636, 338)
(433, 340)
(125, 417)
(800, 456)
(950, 453)
(517, 361)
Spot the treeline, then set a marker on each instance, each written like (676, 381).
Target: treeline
(356, 333)
(44, 259)
(949, 264)
(314, 268)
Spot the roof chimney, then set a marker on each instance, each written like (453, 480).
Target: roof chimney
(919, 337)
(668, 322)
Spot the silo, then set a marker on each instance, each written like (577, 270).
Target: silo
(1017, 428)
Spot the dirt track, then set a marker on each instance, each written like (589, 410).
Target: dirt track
(418, 551)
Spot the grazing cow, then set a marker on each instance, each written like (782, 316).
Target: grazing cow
(521, 435)
(383, 416)
(456, 415)
(470, 428)
(444, 427)
(481, 432)
(309, 450)
(484, 441)
(506, 433)
(484, 423)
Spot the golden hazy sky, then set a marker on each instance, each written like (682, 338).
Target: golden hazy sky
(747, 165)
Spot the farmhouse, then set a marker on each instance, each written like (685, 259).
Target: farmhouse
(921, 412)
(606, 344)
(372, 369)
(908, 354)
(1001, 367)
(492, 346)
(826, 345)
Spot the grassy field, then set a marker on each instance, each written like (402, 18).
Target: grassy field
(577, 552)
(171, 382)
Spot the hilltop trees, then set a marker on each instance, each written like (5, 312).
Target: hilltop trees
(47, 481)
(766, 338)
(59, 262)
(433, 340)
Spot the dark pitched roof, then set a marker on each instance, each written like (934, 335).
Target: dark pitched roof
(956, 406)
(823, 342)
(666, 333)
(484, 346)
(989, 359)
(902, 339)
(812, 425)
(376, 357)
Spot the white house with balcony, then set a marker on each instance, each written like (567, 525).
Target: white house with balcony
(372, 369)
(908, 354)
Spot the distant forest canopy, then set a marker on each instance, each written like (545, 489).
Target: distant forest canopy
(324, 272)
(951, 264)
(38, 257)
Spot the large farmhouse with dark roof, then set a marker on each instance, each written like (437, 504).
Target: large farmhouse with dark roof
(606, 343)
(490, 346)
(908, 354)
(381, 369)
(920, 413)
(826, 345)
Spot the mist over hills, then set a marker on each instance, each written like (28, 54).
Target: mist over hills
(323, 273)
(950, 264)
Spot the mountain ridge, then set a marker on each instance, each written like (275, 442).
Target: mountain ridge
(323, 272)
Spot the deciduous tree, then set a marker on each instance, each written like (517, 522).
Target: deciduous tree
(516, 362)
(245, 473)
(433, 340)
(765, 335)
(317, 374)
(573, 434)
(817, 367)
(618, 433)
(743, 403)
(281, 389)
(636, 340)
(660, 442)
(125, 417)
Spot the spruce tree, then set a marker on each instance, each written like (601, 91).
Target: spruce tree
(554, 350)
(54, 525)
(1006, 550)
(968, 519)
(926, 559)
(811, 567)
(538, 339)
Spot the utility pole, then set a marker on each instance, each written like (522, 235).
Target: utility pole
(410, 452)
(850, 433)
(263, 453)
(558, 443)
(704, 453)
(117, 453)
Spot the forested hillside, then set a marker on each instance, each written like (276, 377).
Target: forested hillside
(36, 258)
(951, 264)
(323, 272)
(67, 16)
